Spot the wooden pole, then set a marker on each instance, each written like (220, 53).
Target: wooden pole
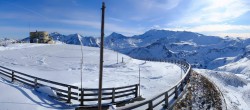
(117, 58)
(139, 81)
(69, 95)
(12, 77)
(101, 60)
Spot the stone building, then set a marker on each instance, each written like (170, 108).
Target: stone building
(40, 37)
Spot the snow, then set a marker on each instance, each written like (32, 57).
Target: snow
(46, 90)
(17, 97)
(61, 63)
(226, 58)
(235, 89)
(6, 41)
(112, 107)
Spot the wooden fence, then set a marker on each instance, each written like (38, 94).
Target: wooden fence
(169, 97)
(112, 94)
(64, 92)
(67, 92)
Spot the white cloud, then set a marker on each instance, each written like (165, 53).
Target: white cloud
(115, 19)
(109, 27)
(159, 4)
(214, 11)
(214, 28)
(148, 9)
(218, 29)
(241, 35)
(92, 24)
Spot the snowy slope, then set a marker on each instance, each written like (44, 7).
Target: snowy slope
(61, 62)
(235, 89)
(15, 97)
(240, 66)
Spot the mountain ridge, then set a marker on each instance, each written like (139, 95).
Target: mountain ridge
(200, 50)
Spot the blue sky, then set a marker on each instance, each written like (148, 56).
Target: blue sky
(128, 17)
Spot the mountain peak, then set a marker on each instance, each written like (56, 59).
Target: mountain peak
(115, 34)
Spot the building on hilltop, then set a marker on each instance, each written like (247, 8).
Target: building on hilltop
(40, 37)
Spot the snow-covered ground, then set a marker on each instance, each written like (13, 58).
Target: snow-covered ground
(15, 97)
(235, 88)
(61, 63)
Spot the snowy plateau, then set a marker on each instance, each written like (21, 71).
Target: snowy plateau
(61, 63)
(224, 61)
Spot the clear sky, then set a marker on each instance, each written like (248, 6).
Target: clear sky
(128, 17)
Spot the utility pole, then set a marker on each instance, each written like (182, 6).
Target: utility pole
(101, 59)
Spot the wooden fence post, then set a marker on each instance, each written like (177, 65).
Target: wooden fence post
(166, 100)
(181, 85)
(69, 94)
(136, 90)
(176, 92)
(81, 99)
(150, 105)
(35, 82)
(12, 76)
(113, 95)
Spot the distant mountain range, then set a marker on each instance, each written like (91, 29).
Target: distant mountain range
(211, 52)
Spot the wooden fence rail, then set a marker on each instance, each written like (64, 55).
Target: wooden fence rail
(112, 94)
(66, 92)
(169, 97)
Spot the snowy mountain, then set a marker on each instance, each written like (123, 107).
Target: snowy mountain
(73, 39)
(153, 51)
(200, 50)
